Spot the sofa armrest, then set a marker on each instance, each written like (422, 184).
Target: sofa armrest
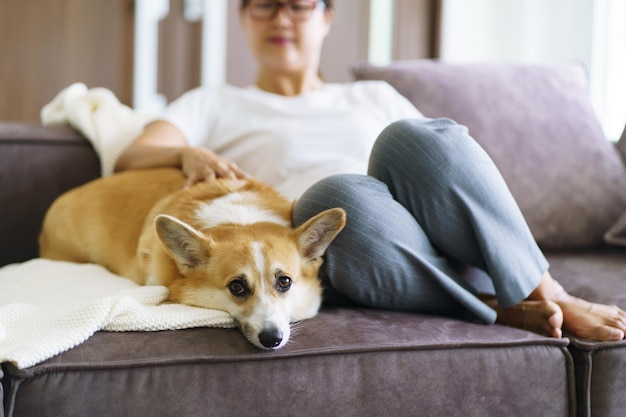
(37, 164)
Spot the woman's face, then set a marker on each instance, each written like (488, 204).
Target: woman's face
(282, 44)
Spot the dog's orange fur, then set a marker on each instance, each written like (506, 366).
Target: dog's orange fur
(144, 226)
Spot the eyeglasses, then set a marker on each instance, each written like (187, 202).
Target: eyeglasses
(297, 10)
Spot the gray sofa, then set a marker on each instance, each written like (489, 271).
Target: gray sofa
(537, 124)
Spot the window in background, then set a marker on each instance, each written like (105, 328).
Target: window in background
(145, 63)
(148, 14)
(608, 65)
(589, 31)
(380, 32)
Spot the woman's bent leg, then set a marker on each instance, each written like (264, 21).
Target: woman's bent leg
(383, 258)
(443, 199)
(456, 193)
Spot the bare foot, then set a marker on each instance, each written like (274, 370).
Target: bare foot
(582, 318)
(543, 317)
(590, 320)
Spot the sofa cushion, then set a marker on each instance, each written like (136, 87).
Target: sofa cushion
(36, 165)
(537, 124)
(344, 362)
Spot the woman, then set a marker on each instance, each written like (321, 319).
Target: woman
(432, 198)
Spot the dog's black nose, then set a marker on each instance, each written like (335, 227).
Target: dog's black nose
(270, 338)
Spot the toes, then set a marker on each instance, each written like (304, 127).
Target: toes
(556, 318)
(556, 323)
(601, 332)
(593, 321)
(552, 320)
(543, 317)
(548, 331)
(609, 333)
(614, 325)
(619, 317)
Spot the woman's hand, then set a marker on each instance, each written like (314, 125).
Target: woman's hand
(200, 164)
(162, 145)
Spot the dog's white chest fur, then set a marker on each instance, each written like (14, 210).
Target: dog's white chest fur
(236, 208)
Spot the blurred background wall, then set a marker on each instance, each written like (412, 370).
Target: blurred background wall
(148, 52)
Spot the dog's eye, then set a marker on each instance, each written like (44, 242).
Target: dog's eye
(283, 283)
(237, 288)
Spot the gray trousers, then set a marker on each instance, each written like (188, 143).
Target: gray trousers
(432, 200)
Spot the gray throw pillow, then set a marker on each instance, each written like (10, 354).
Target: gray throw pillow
(537, 123)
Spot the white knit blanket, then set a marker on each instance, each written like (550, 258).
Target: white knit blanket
(109, 125)
(48, 307)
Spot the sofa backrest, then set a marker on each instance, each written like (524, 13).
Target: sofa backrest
(37, 164)
(538, 125)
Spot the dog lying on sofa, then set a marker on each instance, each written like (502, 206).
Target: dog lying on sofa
(224, 244)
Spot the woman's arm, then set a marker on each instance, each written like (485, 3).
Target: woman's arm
(162, 145)
(159, 145)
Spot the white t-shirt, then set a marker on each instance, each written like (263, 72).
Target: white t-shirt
(290, 142)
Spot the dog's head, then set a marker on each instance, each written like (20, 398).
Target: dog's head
(263, 274)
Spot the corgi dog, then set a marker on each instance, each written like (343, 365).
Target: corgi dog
(223, 244)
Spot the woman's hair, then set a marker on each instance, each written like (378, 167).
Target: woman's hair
(327, 3)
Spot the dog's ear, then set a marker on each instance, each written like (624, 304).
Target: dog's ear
(182, 242)
(317, 233)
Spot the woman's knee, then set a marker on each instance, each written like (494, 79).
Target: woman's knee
(347, 191)
(418, 141)
(424, 129)
(423, 148)
(418, 128)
